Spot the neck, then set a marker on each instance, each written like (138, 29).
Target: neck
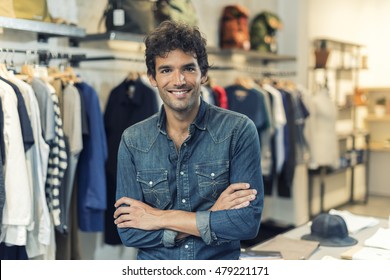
(178, 126)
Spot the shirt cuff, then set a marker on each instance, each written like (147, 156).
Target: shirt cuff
(169, 238)
(203, 225)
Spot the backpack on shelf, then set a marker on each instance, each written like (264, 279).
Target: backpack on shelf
(233, 28)
(31, 10)
(176, 10)
(131, 16)
(263, 32)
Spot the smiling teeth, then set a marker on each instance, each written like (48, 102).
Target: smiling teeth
(179, 92)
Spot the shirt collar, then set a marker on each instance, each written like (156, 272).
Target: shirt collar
(200, 121)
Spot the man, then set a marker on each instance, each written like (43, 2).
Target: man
(189, 182)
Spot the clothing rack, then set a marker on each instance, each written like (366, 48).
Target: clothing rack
(254, 70)
(45, 56)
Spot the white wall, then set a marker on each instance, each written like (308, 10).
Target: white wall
(361, 21)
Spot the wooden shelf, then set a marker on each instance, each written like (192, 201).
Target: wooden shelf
(373, 118)
(43, 29)
(383, 146)
(369, 90)
(250, 56)
(337, 44)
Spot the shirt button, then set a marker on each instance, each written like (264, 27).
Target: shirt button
(183, 200)
(186, 246)
(212, 174)
(151, 183)
(185, 144)
(181, 173)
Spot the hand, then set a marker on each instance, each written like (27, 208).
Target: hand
(235, 196)
(132, 213)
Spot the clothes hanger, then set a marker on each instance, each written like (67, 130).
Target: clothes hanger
(3, 66)
(245, 82)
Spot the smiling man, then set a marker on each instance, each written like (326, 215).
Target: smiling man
(189, 182)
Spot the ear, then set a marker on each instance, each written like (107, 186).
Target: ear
(152, 81)
(203, 79)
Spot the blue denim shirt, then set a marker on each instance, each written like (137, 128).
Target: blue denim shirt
(222, 148)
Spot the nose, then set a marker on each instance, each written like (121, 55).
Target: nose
(179, 79)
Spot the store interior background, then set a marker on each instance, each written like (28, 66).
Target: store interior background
(360, 21)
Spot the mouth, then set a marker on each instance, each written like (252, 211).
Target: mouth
(179, 92)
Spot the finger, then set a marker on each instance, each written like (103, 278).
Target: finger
(242, 193)
(241, 205)
(237, 186)
(120, 211)
(123, 200)
(244, 199)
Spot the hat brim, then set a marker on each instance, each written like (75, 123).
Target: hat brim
(331, 242)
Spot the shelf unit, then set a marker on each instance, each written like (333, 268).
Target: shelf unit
(339, 72)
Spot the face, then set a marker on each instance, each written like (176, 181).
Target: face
(178, 79)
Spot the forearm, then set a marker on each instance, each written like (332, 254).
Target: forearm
(180, 221)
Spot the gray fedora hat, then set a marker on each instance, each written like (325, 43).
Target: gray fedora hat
(330, 230)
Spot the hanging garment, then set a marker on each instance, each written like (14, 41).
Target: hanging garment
(286, 175)
(249, 102)
(25, 124)
(221, 96)
(46, 109)
(57, 162)
(322, 136)
(91, 173)
(38, 234)
(123, 109)
(73, 135)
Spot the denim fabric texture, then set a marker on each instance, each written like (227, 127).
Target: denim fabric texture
(223, 148)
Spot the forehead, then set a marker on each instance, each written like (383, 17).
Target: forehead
(175, 58)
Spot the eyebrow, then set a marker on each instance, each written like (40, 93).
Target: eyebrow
(192, 64)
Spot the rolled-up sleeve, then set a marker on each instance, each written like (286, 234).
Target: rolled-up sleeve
(203, 225)
(169, 238)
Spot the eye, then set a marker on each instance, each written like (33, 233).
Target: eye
(190, 69)
(165, 70)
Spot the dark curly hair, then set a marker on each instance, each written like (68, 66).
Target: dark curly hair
(171, 35)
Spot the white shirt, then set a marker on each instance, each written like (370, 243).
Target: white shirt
(17, 214)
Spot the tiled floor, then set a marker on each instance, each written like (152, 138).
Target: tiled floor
(377, 206)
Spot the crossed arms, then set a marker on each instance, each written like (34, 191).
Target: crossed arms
(132, 213)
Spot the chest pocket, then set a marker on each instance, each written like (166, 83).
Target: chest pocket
(155, 188)
(213, 178)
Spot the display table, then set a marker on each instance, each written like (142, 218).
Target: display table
(334, 252)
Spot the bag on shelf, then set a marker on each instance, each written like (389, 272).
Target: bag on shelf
(7, 9)
(131, 16)
(177, 10)
(233, 28)
(263, 32)
(32, 10)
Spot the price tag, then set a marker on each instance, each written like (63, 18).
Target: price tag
(119, 17)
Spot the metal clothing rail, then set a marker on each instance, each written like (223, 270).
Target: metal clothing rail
(45, 56)
(265, 72)
(75, 60)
